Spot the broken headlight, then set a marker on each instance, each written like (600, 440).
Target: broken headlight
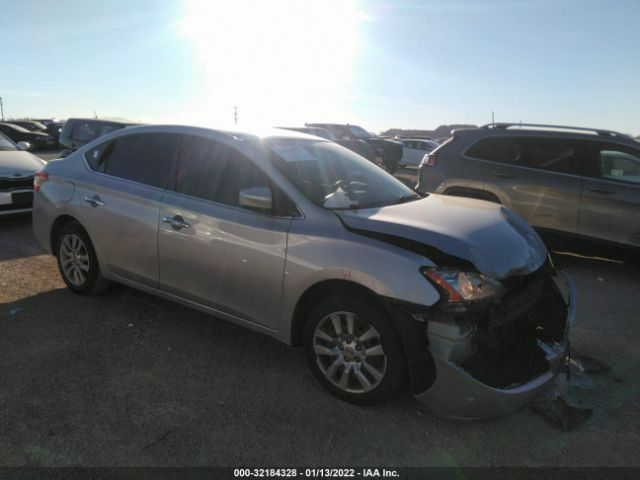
(461, 287)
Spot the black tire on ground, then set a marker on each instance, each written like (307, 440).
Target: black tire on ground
(92, 283)
(367, 314)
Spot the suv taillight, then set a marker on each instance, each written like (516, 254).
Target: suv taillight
(38, 179)
(430, 159)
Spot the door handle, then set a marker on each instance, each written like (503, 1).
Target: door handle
(502, 175)
(600, 191)
(94, 201)
(176, 222)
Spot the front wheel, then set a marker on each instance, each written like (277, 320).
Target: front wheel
(77, 261)
(354, 350)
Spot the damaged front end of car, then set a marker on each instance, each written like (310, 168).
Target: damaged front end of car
(495, 346)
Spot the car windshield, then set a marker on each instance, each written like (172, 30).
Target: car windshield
(6, 144)
(360, 132)
(336, 178)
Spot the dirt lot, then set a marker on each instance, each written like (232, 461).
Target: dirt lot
(128, 379)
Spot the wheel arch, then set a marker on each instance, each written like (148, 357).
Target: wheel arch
(412, 333)
(57, 226)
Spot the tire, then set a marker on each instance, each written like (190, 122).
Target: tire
(390, 165)
(77, 261)
(370, 358)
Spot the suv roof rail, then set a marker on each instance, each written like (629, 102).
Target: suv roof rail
(597, 131)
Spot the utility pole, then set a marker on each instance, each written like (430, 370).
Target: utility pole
(235, 115)
(1, 109)
(493, 119)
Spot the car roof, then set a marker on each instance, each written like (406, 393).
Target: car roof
(257, 133)
(550, 131)
(99, 120)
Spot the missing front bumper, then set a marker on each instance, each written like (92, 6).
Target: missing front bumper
(457, 393)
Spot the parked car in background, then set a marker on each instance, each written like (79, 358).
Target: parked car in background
(47, 121)
(38, 140)
(301, 239)
(573, 180)
(80, 131)
(17, 169)
(414, 150)
(317, 131)
(54, 129)
(384, 151)
(31, 125)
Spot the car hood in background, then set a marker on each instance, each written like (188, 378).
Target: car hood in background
(498, 242)
(17, 161)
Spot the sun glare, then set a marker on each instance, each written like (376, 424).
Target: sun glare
(278, 61)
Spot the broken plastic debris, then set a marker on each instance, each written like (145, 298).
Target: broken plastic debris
(578, 378)
(589, 364)
(131, 325)
(15, 311)
(600, 279)
(561, 414)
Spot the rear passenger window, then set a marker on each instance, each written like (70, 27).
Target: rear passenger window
(557, 155)
(142, 158)
(214, 171)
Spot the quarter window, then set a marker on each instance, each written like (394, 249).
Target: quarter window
(214, 171)
(497, 149)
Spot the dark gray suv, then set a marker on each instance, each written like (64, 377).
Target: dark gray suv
(568, 179)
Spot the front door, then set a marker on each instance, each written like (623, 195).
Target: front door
(212, 250)
(610, 207)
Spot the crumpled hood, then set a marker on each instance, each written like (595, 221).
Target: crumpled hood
(17, 161)
(498, 242)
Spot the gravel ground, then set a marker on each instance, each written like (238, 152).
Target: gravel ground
(126, 379)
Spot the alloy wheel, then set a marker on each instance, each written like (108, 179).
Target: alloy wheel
(349, 352)
(74, 259)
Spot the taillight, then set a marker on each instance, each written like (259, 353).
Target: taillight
(430, 159)
(38, 179)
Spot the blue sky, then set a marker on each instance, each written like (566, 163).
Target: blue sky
(382, 64)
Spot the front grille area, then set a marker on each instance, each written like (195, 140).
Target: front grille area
(8, 183)
(507, 353)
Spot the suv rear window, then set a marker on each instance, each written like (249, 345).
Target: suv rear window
(553, 154)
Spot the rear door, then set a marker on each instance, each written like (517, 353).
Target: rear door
(119, 203)
(213, 251)
(610, 207)
(538, 177)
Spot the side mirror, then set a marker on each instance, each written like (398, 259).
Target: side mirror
(24, 146)
(258, 198)
(65, 153)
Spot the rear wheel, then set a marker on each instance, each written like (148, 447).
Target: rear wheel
(77, 261)
(354, 350)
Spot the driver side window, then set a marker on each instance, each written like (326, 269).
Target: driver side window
(213, 171)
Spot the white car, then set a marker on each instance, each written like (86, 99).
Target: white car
(414, 150)
(17, 168)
